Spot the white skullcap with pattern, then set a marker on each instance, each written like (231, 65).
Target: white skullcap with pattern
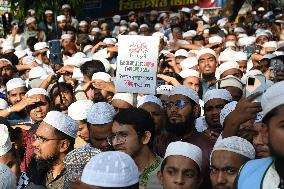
(188, 63)
(78, 110)
(185, 149)
(237, 145)
(111, 169)
(217, 94)
(149, 98)
(36, 91)
(5, 142)
(164, 89)
(127, 97)
(100, 113)
(7, 177)
(185, 91)
(62, 122)
(227, 66)
(101, 76)
(228, 108)
(205, 51)
(15, 83)
(189, 73)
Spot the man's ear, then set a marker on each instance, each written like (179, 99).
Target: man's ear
(196, 111)
(64, 145)
(160, 177)
(146, 137)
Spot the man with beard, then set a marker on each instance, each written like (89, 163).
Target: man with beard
(6, 73)
(268, 172)
(207, 63)
(228, 155)
(54, 138)
(182, 109)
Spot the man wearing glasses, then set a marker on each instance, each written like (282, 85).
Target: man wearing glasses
(54, 138)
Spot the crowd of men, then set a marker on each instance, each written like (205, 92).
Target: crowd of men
(213, 123)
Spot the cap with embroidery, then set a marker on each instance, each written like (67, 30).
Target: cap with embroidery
(15, 83)
(78, 110)
(100, 113)
(126, 97)
(101, 76)
(237, 145)
(62, 122)
(227, 66)
(215, 39)
(36, 91)
(226, 55)
(228, 108)
(149, 98)
(164, 89)
(189, 63)
(111, 169)
(66, 36)
(185, 91)
(7, 177)
(185, 149)
(5, 142)
(189, 73)
(201, 124)
(217, 94)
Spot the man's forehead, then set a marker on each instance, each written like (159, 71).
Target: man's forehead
(45, 129)
(223, 158)
(178, 97)
(17, 90)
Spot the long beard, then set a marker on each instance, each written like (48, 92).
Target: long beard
(180, 129)
(46, 164)
(208, 76)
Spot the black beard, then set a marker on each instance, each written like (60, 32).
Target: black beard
(181, 129)
(46, 164)
(279, 161)
(208, 76)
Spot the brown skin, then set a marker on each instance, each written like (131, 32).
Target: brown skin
(83, 131)
(235, 72)
(207, 64)
(231, 38)
(12, 162)
(16, 95)
(225, 166)
(120, 104)
(180, 173)
(99, 134)
(156, 112)
(212, 110)
(38, 111)
(261, 40)
(259, 141)
(192, 82)
(235, 92)
(7, 72)
(243, 65)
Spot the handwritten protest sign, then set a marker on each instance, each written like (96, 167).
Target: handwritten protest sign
(137, 64)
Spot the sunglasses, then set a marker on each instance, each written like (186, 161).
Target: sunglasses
(178, 103)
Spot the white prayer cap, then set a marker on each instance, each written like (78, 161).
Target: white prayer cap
(272, 44)
(260, 9)
(30, 20)
(66, 6)
(105, 63)
(111, 169)
(40, 46)
(273, 97)
(222, 22)
(185, 149)
(78, 110)
(181, 52)
(230, 81)
(239, 56)
(60, 18)
(100, 113)
(123, 22)
(144, 26)
(245, 41)
(7, 177)
(228, 108)
(31, 11)
(96, 29)
(3, 104)
(78, 59)
(185, 9)
(127, 97)
(20, 53)
(188, 63)
(185, 91)
(250, 73)
(277, 53)
(36, 91)
(66, 36)
(201, 124)
(7, 46)
(133, 24)
(149, 98)
(6, 60)
(261, 34)
(110, 41)
(15, 83)
(189, 73)
(215, 39)
(237, 145)
(226, 55)
(205, 51)
(83, 23)
(48, 12)
(87, 47)
(158, 26)
(158, 34)
(116, 18)
(164, 89)
(101, 76)
(242, 35)
(190, 33)
(132, 33)
(227, 66)
(62, 122)
(37, 72)
(5, 142)
(230, 44)
(239, 30)
(217, 94)
(28, 60)
(122, 29)
(196, 7)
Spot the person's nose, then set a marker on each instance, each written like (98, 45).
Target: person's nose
(179, 180)
(221, 179)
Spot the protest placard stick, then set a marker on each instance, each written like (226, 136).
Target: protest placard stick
(135, 99)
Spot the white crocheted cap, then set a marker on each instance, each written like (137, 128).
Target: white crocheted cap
(185, 149)
(240, 55)
(5, 142)
(217, 94)
(227, 66)
(36, 91)
(227, 55)
(40, 45)
(127, 97)
(215, 39)
(15, 83)
(185, 91)
(205, 51)
(101, 76)
(228, 108)
(78, 110)
(111, 169)
(237, 145)
(60, 18)
(7, 177)
(30, 20)
(181, 52)
(164, 89)
(62, 122)
(188, 63)
(149, 98)
(37, 72)
(100, 113)
(273, 97)
(189, 73)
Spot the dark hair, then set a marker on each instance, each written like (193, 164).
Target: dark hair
(31, 41)
(134, 186)
(61, 135)
(141, 120)
(63, 87)
(213, 30)
(175, 75)
(198, 38)
(91, 67)
(70, 28)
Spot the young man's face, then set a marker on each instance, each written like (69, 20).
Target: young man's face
(212, 110)
(180, 172)
(259, 141)
(207, 64)
(98, 136)
(38, 111)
